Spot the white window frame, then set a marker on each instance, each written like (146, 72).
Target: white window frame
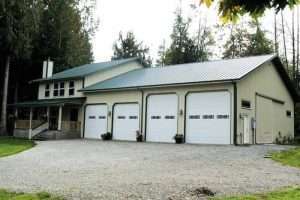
(47, 90)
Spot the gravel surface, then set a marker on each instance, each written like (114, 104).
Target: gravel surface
(86, 169)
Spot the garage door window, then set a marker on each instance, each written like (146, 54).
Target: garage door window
(169, 117)
(194, 116)
(208, 116)
(222, 116)
(155, 117)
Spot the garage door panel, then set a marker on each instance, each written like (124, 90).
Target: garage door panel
(95, 121)
(208, 118)
(162, 117)
(126, 121)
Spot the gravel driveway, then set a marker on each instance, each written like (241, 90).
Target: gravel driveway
(85, 169)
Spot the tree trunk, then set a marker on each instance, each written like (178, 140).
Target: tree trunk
(3, 130)
(284, 43)
(275, 34)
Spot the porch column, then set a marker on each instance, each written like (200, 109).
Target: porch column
(48, 117)
(16, 118)
(59, 118)
(30, 124)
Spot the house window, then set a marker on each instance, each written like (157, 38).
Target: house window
(71, 88)
(55, 90)
(62, 89)
(288, 113)
(246, 104)
(47, 90)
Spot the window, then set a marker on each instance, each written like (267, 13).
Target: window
(207, 116)
(62, 89)
(71, 88)
(246, 104)
(47, 90)
(55, 91)
(288, 113)
(222, 116)
(194, 116)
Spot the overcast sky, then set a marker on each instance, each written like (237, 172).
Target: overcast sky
(151, 22)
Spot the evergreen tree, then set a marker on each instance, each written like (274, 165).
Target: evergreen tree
(242, 42)
(184, 48)
(62, 36)
(15, 41)
(129, 47)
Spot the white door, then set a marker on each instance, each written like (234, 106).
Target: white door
(208, 118)
(95, 121)
(246, 130)
(126, 121)
(162, 117)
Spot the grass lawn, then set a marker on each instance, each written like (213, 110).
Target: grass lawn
(291, 193)
(290, 157)
(5, 195)
(10, 146)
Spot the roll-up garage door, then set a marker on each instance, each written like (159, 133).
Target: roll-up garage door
(161, 117)
(95, 121)
(208, 118)
(126, 121)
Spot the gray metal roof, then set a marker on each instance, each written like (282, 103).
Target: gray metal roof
(211, 71)
(84, 70)
(48, 102)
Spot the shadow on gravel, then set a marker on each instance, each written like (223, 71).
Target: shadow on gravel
(201, 193)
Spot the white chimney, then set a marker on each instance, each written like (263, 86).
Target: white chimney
(47, 68)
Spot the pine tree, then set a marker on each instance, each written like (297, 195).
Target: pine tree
(129, 47)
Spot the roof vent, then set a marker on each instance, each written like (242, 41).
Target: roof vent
(47, 68)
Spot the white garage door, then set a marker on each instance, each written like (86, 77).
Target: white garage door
(162, 117)
(95, 121)
(208, 118)
(126, 121)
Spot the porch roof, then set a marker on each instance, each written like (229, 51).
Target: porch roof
(51, 102)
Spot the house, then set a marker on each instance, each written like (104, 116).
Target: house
(237, 101)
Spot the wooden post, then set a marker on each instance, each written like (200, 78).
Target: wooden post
(59, 118)
(30, 124)
(16, 117)
(48, 117)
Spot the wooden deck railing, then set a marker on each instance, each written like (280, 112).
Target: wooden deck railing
(25, 124)
(68, 126)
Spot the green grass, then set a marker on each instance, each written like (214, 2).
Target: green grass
(291, 193)
(10, 146)
(290, 157)
(6, 195)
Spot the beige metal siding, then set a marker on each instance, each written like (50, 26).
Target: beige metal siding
(109, 73)
(266, 81)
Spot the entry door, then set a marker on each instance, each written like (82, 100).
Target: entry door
(246, 125)
(208, 118)
(95, 121)
(126, 121)
(162, 117)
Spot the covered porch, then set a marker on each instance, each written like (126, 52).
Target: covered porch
(49, 119)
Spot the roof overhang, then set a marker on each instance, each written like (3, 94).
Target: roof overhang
(51, 102)
(158, 86)
(285, 78)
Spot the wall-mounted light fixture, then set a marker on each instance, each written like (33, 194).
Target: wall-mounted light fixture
(181, 112)
(109, 113)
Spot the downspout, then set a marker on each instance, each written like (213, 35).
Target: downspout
(234, 113)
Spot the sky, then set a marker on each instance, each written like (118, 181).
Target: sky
(151, 22)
